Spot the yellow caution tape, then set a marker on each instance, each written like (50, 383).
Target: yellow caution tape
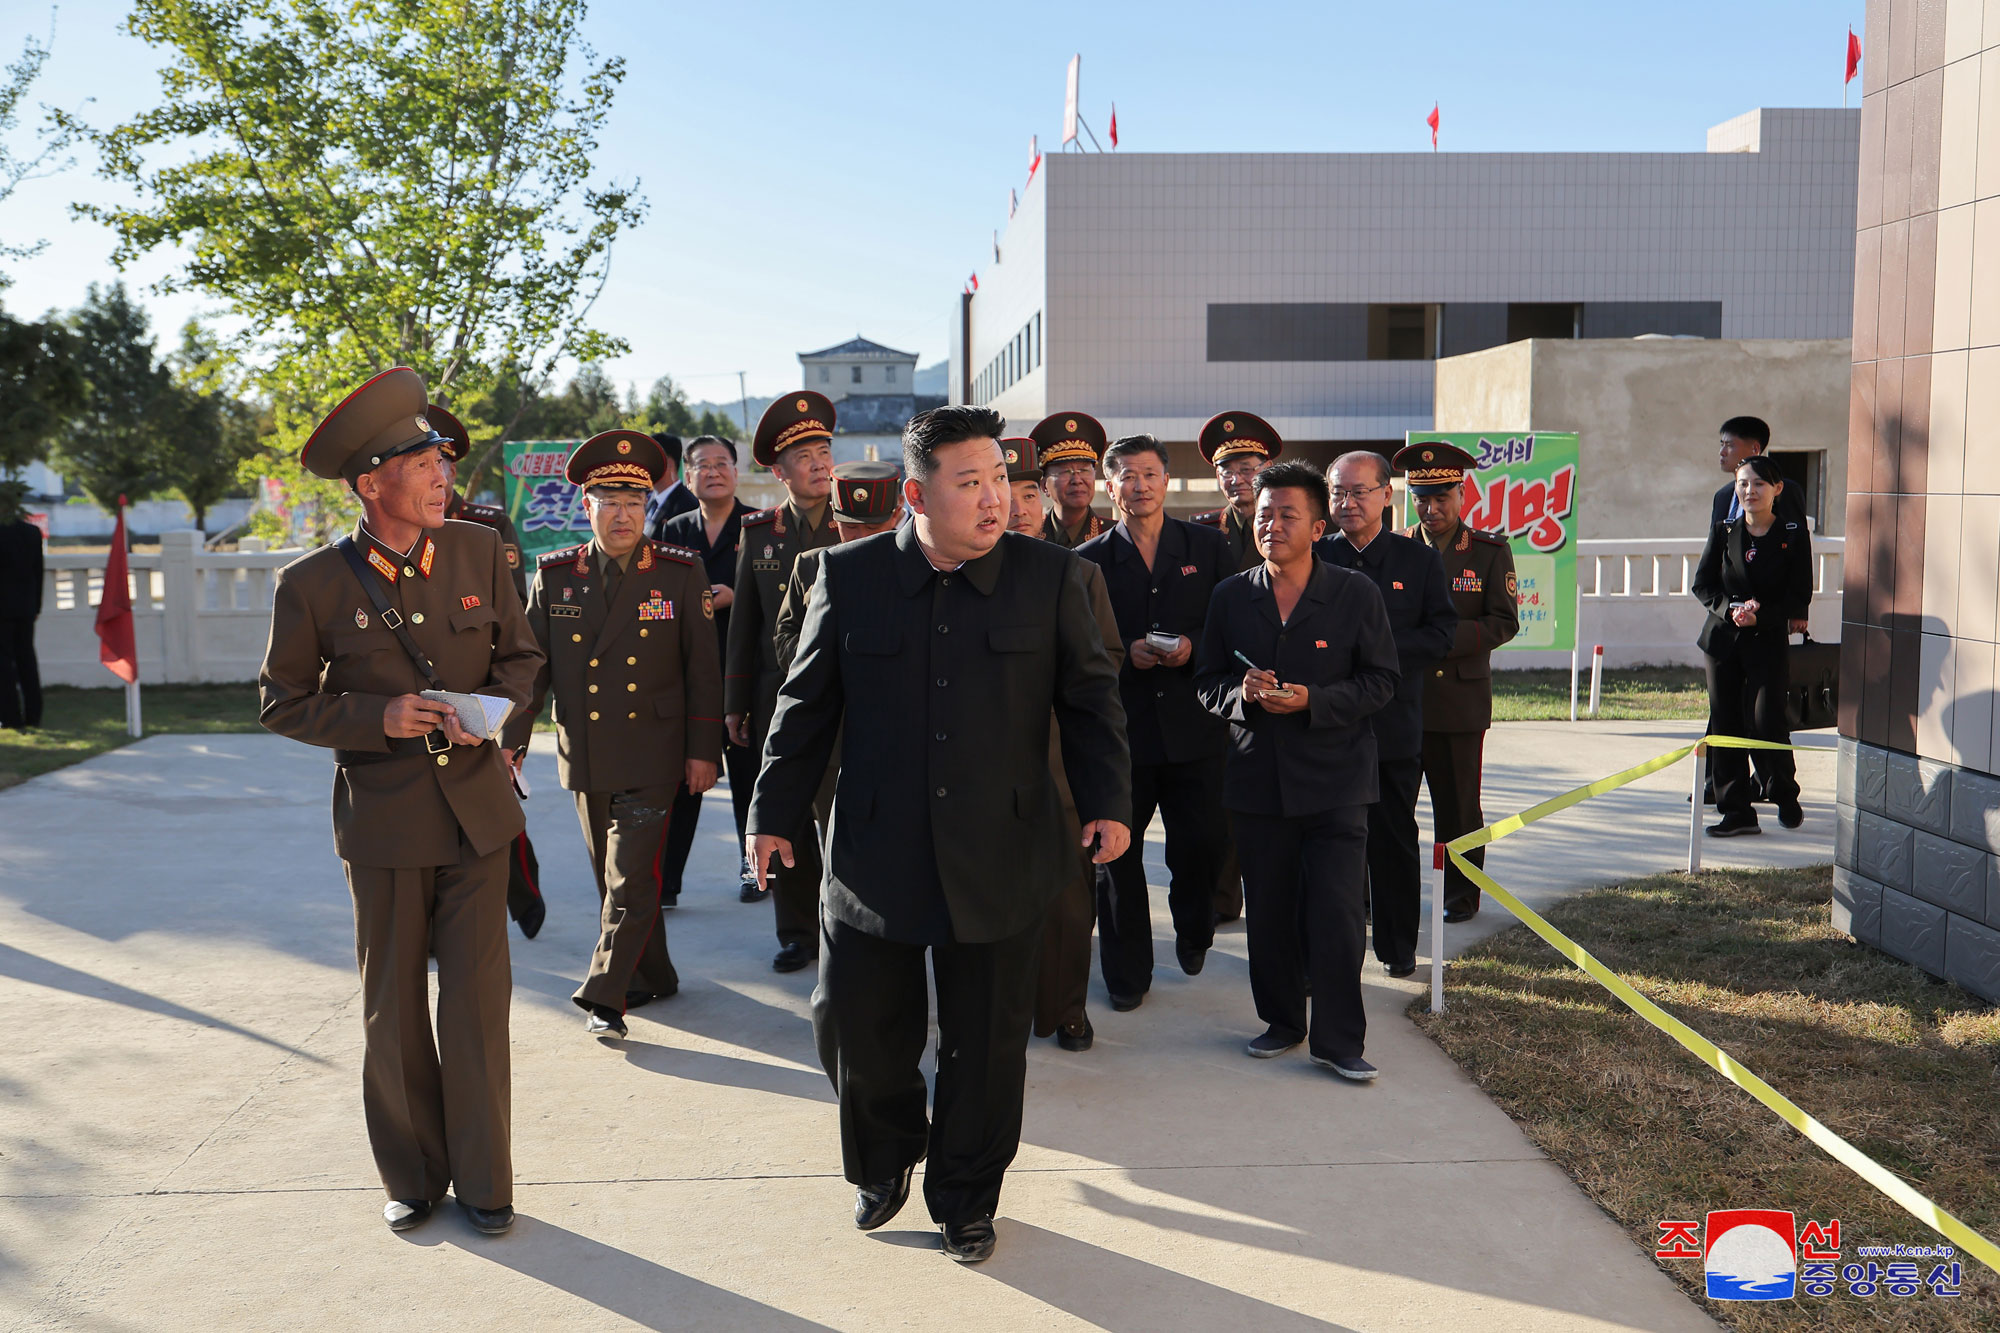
(1705, 1050)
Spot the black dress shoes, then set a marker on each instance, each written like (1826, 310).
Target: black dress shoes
(1735, 826)
(604, 1022)
(1457, 915)
(1791, 814)
(1076, 1036)
(793, 957)
(968, 1242)
(876, 1204)
(1125, 1004)
(531, 920)
(1400, 970)
(492, 1221)
(402, 1214)
(1192, 959)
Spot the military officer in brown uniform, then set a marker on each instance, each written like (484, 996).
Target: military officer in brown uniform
(422, 810)
(1062, 982)
(524, 868)
(867, 499)
(1238, 445)
(1458, 694)
(628, 627)
(795, 440)
(1071, 445)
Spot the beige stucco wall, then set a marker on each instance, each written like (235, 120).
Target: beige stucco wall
(1646, 412)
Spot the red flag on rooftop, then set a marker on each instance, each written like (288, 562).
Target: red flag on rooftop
(1853, 56)
(1432, 121)
(117, 648)
(974, 280)
(1114, 124)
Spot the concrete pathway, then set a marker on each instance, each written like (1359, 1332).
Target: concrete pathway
(181, 1144)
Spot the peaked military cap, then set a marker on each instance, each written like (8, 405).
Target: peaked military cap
(794, 418)
(1069, 435)
(1233, 434)
(621, 459)
(381, 420)
(1432, 466)
(457, 439)
(865, 492)
(1024, 461)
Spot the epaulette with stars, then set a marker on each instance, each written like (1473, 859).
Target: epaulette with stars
(558, 557)
(761, 516)
(1491, 538)
(479, 513)
(680, 553)
(1212, 516)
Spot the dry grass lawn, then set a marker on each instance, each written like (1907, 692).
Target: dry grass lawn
(1900, 1064)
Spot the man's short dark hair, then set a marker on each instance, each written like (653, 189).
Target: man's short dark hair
(1125, 446)
(672, 444)
(1301, 476)
(931, 431)
(1752, 429)
(699, 440)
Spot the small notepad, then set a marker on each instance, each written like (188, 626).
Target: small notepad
(481, 715)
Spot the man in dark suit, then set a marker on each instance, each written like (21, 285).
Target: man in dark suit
(671, 498)
(711, 531)
(938, 654)
(1741, 438)
(1160, 573)
(20, 605)
(1297, 656)
(1411, 579)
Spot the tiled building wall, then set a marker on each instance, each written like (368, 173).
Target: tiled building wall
(1918, 839)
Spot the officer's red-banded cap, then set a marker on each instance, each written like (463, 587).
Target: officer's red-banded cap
(381, 420)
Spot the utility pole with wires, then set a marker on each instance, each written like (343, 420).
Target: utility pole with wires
(744, 394)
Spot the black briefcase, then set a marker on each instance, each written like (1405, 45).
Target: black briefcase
(1813, 700)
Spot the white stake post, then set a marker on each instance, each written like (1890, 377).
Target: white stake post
(1596, 677)
(1437, 928)
(134, 727)
(1695, 810)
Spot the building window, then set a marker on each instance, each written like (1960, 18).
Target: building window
(825, 375)
(888, 374)
(857, 374)
(1402, 332)
(1539, 320)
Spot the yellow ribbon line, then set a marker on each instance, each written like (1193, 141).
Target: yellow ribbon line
(1705, 1050)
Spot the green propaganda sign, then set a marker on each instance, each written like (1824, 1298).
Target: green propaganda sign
(547, 510)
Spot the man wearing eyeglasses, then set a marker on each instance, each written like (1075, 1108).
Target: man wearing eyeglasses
(1424, 622)
(1071, 445)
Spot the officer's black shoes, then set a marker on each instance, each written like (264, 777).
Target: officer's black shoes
(1454, 916)
(638, 999)
(1076, 1036)
(1269, 1045)
(1125, 1004)
(1347, 1066)
(402, 1214)
(876, 1204)
(531, 920)
(750, 893)
(1400, 970)
(669, 901)
(968, 1242)
(1735, 826)
(492, 1221)
(1192, 959)
(1791, 814)
(604, 1021)
(793, 957)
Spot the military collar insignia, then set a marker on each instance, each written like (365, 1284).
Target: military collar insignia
(382, 564)
(582, 565)
(1464, 540)
(645, 560)
(428, 558)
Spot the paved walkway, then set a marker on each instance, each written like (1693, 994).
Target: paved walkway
(181, 1144)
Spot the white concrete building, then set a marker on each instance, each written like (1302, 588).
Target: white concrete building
(859, 367)
(1319, 289)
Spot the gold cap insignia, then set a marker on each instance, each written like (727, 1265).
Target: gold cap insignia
(1228, 425)
(860, 494)
(1429, 455)
(423, 423)
(804, 406)
(624, 446)
(1069, 425)
(1013, 455)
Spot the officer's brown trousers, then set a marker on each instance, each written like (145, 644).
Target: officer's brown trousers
(1452, 768)
(438, 1112)
(626, 835)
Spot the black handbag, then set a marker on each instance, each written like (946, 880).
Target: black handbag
(1813, 699)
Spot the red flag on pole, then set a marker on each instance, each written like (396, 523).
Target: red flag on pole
(1034, 154)
(1432, 121)
(1853, 56)
(974, 280)
(117, 648)
(1114, 124)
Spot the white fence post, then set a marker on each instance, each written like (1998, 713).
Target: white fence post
(181, 583)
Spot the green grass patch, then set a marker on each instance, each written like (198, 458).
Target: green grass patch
(1638, 695)
(1900, 1064)
(77, 724)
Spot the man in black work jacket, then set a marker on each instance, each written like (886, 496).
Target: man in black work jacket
(1160, 573)
(1411, 579)
(944, 648)
(1301, 770)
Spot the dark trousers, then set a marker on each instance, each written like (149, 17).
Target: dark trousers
(1229, 878)
(1188, 798)
(524, 877)
(1395, 869)
(1062, 976)
(1453, 763)
(871, 1018)
(1746, 697)
(1302, 884)
(438, 1110)
(20, 674)
(741, 767)
(625, 833)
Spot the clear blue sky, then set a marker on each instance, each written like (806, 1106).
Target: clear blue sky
(818, 169)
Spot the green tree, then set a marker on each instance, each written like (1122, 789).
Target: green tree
(211, 431)
(115, 443)
(373, 183)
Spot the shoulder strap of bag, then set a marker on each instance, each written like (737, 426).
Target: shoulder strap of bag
(388, 613)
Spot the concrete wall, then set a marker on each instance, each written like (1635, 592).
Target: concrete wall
(1646, 412)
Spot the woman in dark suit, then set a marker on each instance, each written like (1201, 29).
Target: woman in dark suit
(1755, 576)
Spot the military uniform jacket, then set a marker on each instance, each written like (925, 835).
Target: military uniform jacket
(1165, 721)
(332, 667)
(771, 539)
(946, 822)
(1411, 579)
(494, 517)
(1242, 538)
(1479, 566)
(635, 675)
(1053, 529)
